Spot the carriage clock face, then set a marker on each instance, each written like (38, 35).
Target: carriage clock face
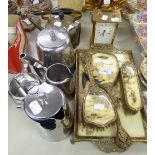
(104, 33)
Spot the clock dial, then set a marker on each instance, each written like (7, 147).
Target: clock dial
(104, 33)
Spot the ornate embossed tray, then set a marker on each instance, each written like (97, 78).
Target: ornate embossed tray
(87, 132)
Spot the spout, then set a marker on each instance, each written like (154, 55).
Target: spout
(66, 71)
(58, 74)
(32, 61)
(29, 59)
(38, 67)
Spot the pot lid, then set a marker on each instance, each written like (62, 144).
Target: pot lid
(21, 84)
(44, 104)
(53, 39)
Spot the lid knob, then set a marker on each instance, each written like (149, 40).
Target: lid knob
(42, 98)
(61, 15)
(52, 35)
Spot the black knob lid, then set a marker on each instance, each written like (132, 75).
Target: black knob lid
(61, 15)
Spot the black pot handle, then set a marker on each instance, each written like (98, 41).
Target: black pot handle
(57, 11)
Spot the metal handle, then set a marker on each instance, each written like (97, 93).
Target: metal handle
(67, 11)
(56, 11)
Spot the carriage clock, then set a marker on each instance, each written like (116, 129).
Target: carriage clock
(105, 25)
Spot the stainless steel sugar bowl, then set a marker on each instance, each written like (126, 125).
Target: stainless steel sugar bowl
(54, 46)
(20, 86)
(49, 109)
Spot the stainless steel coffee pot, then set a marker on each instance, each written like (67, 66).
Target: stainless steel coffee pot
(47, 105)
(57, 74)
(20, 86)
(54, 46)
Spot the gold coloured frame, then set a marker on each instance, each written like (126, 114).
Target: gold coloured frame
(76, 137)
(96, 18)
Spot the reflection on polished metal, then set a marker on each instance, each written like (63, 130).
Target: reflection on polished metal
(47, 107)
(20, 86)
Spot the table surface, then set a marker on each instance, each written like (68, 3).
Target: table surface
(24, 138)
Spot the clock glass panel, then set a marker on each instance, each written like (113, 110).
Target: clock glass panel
(104, 33)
